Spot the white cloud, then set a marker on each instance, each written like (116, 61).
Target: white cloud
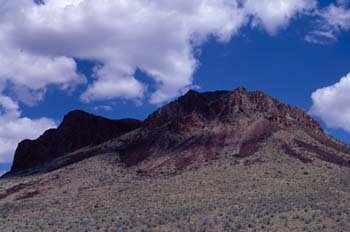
(39, 44)
(332, 104)
(28, 71)
(14, 128)
(320, 37)
(337, 17)
(276, 14)
(332, 20)
(110, 88)
(157, 37)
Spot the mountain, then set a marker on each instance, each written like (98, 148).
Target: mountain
(203, 126)
(215, 161)
(77, 130)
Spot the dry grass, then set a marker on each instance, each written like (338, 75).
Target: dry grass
(278, 193)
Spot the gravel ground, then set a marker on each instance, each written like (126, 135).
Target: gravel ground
(270, 192)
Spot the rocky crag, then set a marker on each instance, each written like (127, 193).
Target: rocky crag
(215, 161)
(77, 130)
(192, 130)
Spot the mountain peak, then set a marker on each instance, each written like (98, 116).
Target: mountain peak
(191, 92)
(226, 105)
(195, 127)
(240, 89)
(77, 130)
(200, 126)
(231, 144)
(78, 115)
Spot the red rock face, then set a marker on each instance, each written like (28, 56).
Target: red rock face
(290, 151)
(201, 126)
(78, 129)
(196, 128)
(323, 154)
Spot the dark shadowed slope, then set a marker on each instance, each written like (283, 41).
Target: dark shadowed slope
(78, 129)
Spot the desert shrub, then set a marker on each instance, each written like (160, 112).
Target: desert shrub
(140, 172)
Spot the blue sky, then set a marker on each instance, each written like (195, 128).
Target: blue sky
(284, 66)
(290, 56)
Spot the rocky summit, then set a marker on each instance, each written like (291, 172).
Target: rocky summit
(77, 130)
(200, 127)
(215, 161)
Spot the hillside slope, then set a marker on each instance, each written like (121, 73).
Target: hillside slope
(217, 161)
(200, 127)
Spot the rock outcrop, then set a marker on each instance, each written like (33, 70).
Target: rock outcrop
(199, 127)
(77, 130)
(222, 161)
(194, 129)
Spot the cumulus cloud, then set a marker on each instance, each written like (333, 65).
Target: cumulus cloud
(158, 37)
(40, 41)
(331, 104)
(276, 14)
(26, 70)
(14, 128)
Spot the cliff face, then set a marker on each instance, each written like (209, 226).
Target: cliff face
(231, 107)
(189, 132)
(199, 127)
(78, 129)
